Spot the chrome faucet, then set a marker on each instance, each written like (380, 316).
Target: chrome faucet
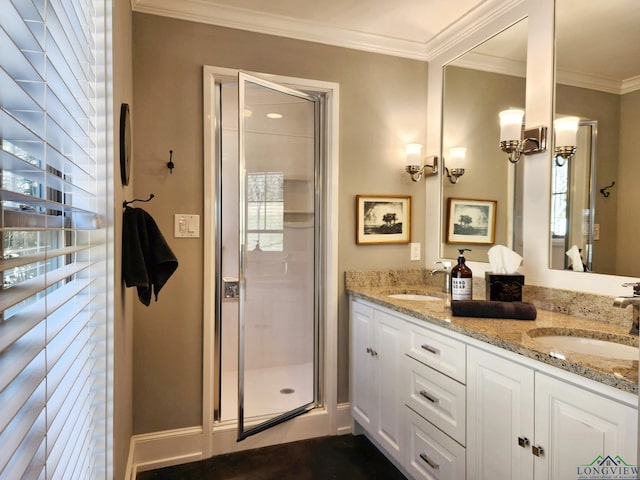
(623, 302)
(446, 271)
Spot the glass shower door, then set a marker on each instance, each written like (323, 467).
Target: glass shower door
(278, 318)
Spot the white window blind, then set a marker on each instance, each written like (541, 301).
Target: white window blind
(54, 358)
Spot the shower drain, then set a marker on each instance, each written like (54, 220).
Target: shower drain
(287, 391)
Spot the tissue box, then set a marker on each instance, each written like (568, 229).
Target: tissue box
(504, 287)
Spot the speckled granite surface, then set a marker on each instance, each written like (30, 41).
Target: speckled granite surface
(567, 312)
(594, 307)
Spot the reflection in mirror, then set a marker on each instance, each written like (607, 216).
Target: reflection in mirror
(598, 80)
(572, 197)
(477, 86)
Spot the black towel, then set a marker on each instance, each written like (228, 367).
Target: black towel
(493, 309)
(147, 260)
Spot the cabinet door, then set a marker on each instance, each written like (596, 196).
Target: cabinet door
(499, 418)
(578, 429)
(363, 386)
(388, 355)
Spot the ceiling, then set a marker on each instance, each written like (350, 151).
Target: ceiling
(406, 28)
(422, 29)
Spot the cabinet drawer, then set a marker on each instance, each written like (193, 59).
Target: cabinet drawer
(430, 454)
(437, 398)
(438, 351)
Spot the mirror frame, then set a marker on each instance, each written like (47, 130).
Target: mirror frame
(537, 168)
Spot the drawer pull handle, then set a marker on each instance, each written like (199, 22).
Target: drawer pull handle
(537, 451)
(523, 442)
(432, 399)
(430, 349)
(431, 463)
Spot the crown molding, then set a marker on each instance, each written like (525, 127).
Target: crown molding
(598, 83)
(630, 85)
(465, 26)
(491, 64)
(242, 19)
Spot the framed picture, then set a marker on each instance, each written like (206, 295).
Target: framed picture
(471, 221)
(383, 219)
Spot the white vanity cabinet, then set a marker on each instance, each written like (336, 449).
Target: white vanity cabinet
(376, 354)
(448, 407)
(525, 424)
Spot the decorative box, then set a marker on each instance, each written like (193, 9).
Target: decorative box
(504, 287)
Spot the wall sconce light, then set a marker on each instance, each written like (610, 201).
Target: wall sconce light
(457, 156)
(512, 141)
(566, 129)
(414, 163)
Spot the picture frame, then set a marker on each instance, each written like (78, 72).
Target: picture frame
(383, 219)
(471, 221)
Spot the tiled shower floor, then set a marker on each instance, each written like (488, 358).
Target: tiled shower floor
(268, 391)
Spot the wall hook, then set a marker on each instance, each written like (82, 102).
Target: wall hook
(170, 163)
(604, 190)
(127, 202)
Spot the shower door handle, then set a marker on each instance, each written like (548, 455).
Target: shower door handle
(231, 288)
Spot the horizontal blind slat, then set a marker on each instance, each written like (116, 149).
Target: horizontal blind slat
(21, 353)
(29, 454)
(21, 291)
(7, 263)
(13, 398)
(20, 323)
(29, 422)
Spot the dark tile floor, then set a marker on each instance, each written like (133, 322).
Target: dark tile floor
(344, 457)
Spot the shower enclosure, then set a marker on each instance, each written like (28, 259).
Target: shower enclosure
(268, 253)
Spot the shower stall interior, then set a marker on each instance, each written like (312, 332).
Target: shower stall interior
(268, 252)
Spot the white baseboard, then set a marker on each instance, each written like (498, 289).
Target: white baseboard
(344, 421)
(174, 447)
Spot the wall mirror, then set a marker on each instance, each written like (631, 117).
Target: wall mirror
(476, 87)
(594, 196)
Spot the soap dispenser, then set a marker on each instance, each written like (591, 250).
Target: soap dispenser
(461, 278)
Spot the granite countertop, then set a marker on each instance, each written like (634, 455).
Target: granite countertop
(519, 335)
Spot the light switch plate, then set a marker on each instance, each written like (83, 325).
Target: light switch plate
(186, 226)
(415, 251)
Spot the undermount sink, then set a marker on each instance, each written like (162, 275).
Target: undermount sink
(562, 341)
(417, 297)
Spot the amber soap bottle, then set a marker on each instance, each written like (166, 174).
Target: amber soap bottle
(461, 279)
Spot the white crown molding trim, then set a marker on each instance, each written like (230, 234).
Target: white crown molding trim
(467, 25)
(601, 84)
(491, 64)
(231, 17)
(630, 85)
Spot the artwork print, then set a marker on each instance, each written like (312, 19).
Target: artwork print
(383, 219)
(471, 221)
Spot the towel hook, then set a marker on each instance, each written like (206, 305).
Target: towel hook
(170, 164)
(127, 202)
(604, 190)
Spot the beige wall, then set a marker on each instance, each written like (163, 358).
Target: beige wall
(123, 310)
(382, 107)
